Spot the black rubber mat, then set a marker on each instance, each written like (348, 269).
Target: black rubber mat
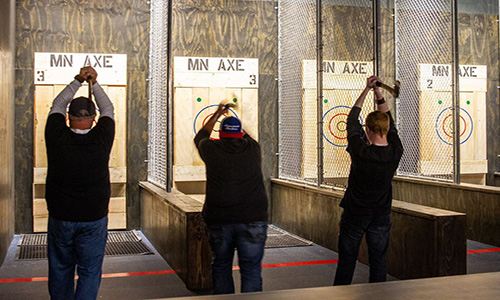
(34, 246)
(279, 238)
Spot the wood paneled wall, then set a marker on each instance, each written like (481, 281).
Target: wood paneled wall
(7, 26)
(424, 242)
(478, 45)
(236, 28)
(481, 204)
(83, 27)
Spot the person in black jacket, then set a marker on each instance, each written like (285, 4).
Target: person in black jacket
(368, 198)
(235, 209)
(78, 188)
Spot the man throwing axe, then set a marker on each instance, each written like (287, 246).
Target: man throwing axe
(235, 209)
(368, 198)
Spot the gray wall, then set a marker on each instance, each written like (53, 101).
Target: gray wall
(7, 23)
(81, 27)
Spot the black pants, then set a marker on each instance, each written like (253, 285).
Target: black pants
(352, 228)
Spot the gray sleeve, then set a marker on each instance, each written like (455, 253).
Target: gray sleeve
(105, 106)
(64, 98)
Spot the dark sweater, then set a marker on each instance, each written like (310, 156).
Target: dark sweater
(235, 190)
(78, 187)
(369, 190)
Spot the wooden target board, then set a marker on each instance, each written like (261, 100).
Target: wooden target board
(200, 84)
(53, 71)
(436, 121)
(343, 82)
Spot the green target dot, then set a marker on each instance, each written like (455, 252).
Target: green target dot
(468, 102)
(199, 99)
(235, 100)
(326, 100)
(440, 102)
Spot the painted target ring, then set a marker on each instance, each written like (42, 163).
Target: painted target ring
(444, 126)
(335, 125)
(204, 115)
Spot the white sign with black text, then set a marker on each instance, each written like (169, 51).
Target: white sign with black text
(437, 77)
(60, 68)
(337, 74)
(216, 72)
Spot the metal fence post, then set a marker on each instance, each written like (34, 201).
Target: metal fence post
(456, 93)
(319, 87)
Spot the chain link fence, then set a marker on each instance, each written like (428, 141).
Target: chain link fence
(424, 67)
(297, 117)
(423, 57)
(347, 61)
(158, 66)
(416, 49)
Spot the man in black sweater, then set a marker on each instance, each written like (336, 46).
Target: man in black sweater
(368, 198)
(235, 208)
(78, 188)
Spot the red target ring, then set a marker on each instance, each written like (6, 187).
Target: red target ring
(335, 127)
(451, 135)
(339, 129)
(442, 126)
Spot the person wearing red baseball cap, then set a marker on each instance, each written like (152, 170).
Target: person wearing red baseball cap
(235, 209)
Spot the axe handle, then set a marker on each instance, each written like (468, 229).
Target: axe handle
(89, 80)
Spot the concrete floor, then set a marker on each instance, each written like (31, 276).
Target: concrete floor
(147, 276)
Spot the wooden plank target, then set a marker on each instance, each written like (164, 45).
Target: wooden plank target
(436, 120)
(200, 84)
(55, 69)
(342, 84)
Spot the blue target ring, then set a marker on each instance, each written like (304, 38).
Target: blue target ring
(324, 115)
(206, 107)
(442, 138)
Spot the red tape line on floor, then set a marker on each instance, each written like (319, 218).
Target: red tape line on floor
(277, 265)
(128, 274)
(108, 275)
(483, 250)
(24, 279)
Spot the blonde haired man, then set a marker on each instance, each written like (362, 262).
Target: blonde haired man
(368, 198)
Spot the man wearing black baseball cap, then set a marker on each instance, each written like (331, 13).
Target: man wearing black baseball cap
(235, 208)
(78, 188)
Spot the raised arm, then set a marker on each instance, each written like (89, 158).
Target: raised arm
(106, 108)
(379, 99)
(64, 98)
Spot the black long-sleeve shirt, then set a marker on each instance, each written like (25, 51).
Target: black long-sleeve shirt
(235, 190)
(369, 190)
(78, 185)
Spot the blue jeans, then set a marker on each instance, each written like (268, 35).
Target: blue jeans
(352, 228)
(249, 240)
(77, 245)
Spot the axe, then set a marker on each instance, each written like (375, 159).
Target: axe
(393, 90)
